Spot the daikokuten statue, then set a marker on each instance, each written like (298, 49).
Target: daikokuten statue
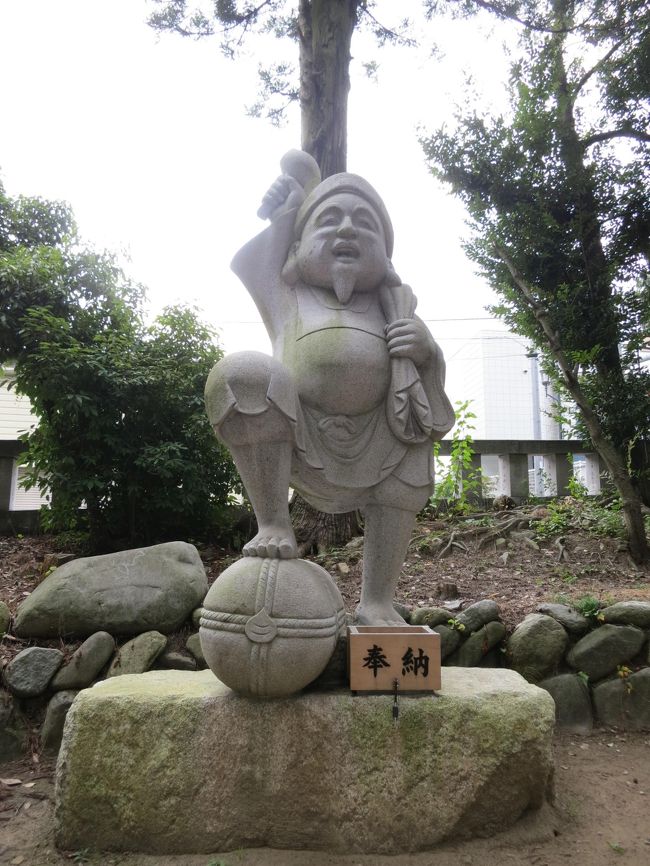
(346, 409)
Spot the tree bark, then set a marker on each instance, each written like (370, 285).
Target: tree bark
(317, 531)
(325, 30)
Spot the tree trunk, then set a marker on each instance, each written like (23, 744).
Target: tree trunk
(317, 531)
(325, 33)
(613, 459)
(597, 302)
(325, 30)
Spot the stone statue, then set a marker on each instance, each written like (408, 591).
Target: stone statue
(346, 409)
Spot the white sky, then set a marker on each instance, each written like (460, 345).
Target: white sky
(147, 138)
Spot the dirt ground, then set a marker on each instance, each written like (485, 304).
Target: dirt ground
(601, 813)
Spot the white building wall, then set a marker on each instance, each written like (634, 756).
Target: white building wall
(16, 417)
(16, 414)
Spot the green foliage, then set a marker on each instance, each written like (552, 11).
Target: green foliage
(589, 606)
(122, 427)
(558, 521)
(604, 519)
(557, 192)
(456, 482)
(456, 625)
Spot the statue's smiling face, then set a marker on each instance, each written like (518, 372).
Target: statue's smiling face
(343, 247)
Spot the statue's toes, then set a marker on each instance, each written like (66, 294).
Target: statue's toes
(287, 549)
(272, 547)
(252, 548)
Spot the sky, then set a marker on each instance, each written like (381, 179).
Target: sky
(147, 138)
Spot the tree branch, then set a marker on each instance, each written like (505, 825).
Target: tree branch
(623, 132)
(529, 24)
(585, 78)
(387, 32)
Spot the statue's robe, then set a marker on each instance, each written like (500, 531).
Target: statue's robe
(334, 382)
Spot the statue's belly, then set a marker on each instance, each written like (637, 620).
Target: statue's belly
(341, 371)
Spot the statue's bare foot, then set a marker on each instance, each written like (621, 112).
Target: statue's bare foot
(377, 614)
(273, 541)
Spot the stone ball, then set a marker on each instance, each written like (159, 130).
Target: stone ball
(270, 626)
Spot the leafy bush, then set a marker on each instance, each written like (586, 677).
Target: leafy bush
(123, 443)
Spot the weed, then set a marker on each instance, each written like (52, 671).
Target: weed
(567, 576)
(457, 483)
(81, 856)
(590, 607)
(557, 522)
(455, 624)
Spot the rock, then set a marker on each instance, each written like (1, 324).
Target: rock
(14, 732)
(536, 646)
(5, 618)
(431, 616)
(54, 560)
(628, 613)
(449, 639)
(355, 544)
(478, 614)
(572, 702)
(600, 652)
(29, 673)
(403, 611)
(86, 663)
(624, 703)
(123, 593)
(176, 661)
(138, 654)
(316, 771)
(471, 652)
(343, 568)
(55, 715)
(573, 621)
(193, 646)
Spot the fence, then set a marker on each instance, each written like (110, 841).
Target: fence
(554, 462)
(509, 473)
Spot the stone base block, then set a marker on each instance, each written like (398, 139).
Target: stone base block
(174, 762)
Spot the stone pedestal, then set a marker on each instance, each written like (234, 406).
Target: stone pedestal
(171, 762)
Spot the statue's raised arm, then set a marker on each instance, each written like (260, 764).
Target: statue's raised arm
(259, 263)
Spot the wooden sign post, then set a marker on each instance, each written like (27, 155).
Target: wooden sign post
(378, 656)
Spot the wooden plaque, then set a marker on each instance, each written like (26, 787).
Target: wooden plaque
(379, 655)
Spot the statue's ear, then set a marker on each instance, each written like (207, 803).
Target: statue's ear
(392, 277)
(290, 270)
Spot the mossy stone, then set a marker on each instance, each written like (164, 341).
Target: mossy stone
(146, 760)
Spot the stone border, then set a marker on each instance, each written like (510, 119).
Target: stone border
(596, 667)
